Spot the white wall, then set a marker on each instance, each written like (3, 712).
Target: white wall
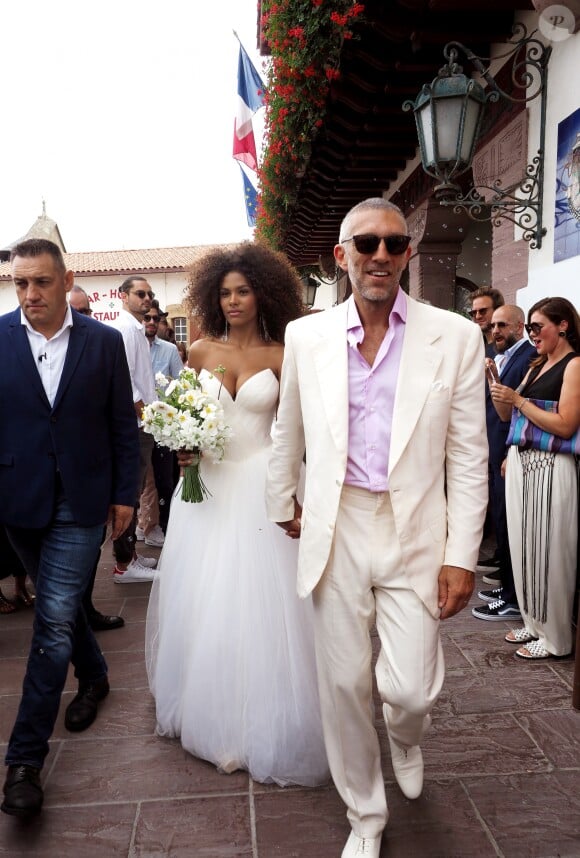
(545, 276)
(103, 296)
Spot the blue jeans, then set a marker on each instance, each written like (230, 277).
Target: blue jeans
(59, 559)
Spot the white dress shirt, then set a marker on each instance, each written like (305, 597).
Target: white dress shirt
(138, 357)
(49, 355)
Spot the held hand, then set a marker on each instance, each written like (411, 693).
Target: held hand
(119, 518)
(293, 527)
(455, 589)
(139, 406)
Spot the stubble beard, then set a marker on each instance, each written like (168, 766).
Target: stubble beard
(507, 344)
(372, 293)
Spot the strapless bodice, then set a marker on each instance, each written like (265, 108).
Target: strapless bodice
(250, 415)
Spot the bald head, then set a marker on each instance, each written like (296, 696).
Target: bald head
(507, 326)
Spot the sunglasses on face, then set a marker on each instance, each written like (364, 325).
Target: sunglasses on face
(534, 328)
(141, 294)
(482, 312)
(369, 243)
(500, 325)
(86, 311)
(149, 318)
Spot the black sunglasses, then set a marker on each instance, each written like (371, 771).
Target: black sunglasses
(479, 312)
(140, 293)
(499, 324)
(534, 328)
(86, 311)
(369, 243)
(149, 318)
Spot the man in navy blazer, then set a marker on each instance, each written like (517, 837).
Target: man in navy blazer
(68, 464)
(511, 363)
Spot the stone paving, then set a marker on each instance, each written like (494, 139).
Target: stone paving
(502, 765)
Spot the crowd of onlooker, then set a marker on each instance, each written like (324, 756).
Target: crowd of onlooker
(533, 419)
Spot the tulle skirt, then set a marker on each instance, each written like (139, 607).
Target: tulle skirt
(229, 646)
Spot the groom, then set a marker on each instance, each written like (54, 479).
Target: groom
(386, 397)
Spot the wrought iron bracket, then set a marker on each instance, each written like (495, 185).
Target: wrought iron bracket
(522, 203)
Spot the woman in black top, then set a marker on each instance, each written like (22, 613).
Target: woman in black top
(542, 485)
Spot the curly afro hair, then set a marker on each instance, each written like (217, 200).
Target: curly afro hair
(275, 283)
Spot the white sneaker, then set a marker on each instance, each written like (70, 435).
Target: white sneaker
(155, 537)
(146, 562)
(133, 574)
(362, 847)
(139, 534)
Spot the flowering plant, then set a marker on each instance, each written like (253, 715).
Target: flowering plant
(187, 417)
(305, 38)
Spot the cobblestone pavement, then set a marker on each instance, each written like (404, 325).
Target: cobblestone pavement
(502, 764)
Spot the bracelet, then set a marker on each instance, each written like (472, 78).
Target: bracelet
(524, 400)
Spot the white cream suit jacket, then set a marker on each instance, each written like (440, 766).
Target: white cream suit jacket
(438, 456)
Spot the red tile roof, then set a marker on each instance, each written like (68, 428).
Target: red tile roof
(157, 259)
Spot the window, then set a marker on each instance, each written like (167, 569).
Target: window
(180, 328)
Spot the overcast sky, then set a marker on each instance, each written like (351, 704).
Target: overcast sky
(119, 114)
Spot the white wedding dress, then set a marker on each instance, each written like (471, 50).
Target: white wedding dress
(229, 646)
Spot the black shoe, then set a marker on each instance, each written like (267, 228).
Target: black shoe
(490, 595)
(102, 622)
(497, 612)
(82, 710)
(492, 578)
(23, 794)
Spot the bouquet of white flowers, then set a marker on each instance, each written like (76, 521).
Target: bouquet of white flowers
(187, 417)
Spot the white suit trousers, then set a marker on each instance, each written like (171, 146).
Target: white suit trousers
(365, 583)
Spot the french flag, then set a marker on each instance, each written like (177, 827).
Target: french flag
(250, 99)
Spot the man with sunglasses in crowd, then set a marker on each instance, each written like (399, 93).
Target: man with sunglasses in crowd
(386, 397)
(136, 295)
(160, 480)
(483, 302)
(513, 355)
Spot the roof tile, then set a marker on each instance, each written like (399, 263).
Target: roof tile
(128, 261)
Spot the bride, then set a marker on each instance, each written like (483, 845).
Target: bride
(229, 646)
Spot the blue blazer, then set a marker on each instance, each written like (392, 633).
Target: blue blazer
(497, 430)
(89, 436)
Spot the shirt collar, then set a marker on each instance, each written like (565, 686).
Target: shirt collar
(68, 323)
(136, 322)
(355, 331)
(509, 352)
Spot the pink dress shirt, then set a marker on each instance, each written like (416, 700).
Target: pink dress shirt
(371, 394)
